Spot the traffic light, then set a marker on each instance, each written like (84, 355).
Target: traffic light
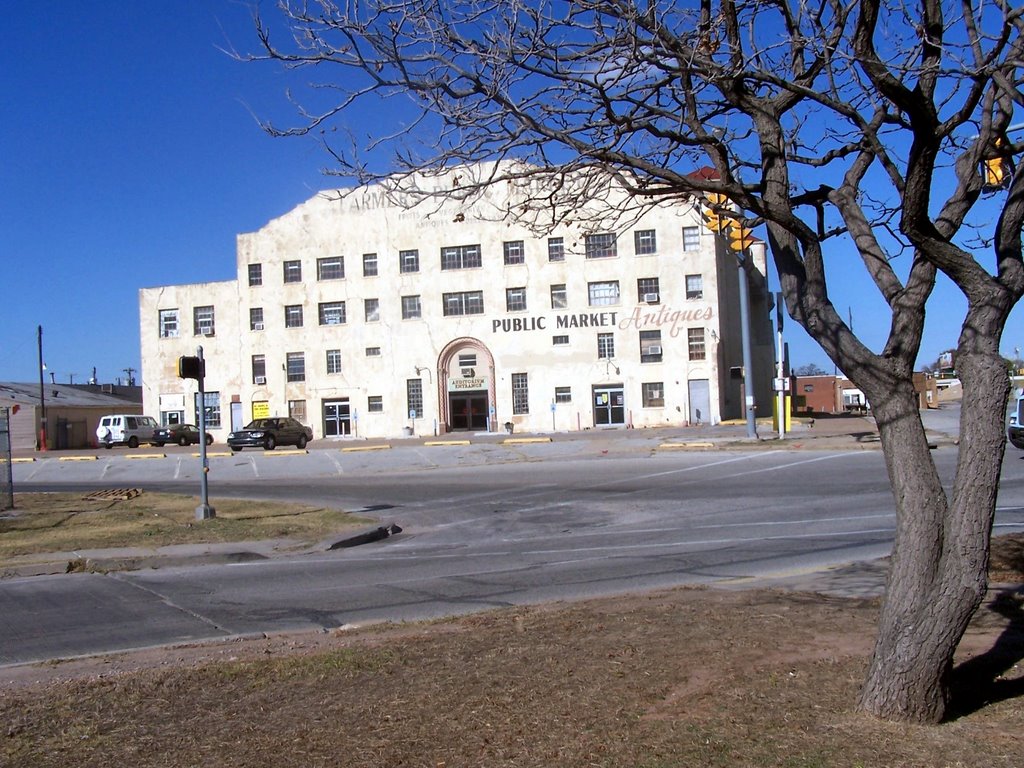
(191, 368)
(997, 171)
(716, 222)
(740, 238)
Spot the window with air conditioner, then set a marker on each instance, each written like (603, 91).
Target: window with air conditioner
(651, 298)
(650, 346)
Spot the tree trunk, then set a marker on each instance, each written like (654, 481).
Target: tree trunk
(938, 573)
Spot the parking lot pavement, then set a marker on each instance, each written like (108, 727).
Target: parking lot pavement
(851, 431)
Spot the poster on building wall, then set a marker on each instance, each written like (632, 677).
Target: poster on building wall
(260, 409)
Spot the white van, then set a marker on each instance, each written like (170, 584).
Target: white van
(125, 429)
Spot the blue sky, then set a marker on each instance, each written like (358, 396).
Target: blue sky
(130, 159)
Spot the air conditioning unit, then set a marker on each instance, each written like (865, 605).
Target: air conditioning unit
(257, 326)
(654, 350)
(260, 379)
(651, 298)
(468, 372)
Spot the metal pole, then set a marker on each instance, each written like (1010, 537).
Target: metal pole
(780, 367)
(748, 369)
(42, 395)
(204, 511)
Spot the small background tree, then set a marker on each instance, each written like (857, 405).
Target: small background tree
(872, 128)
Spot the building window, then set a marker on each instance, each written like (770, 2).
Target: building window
(515, 299)
(560, 340)
(556, 249)
(371, 310)
(293, 271)
(645, 242)
(515, 253)
(293, 316)
(695, 286)
(168, 323)
(563, 394)
(467, 360)
(333, 361)
(297, 410)
(460, 257)
(409, 261)
(414, 398)
(648, 290)
(691, 238)
(695, 337)
(603, 294)
(255, 274)
(463, 303)
(296, 366)
(653, 394)
(331, 312)
(331, 268)
(411, 308)
(203, 321)
(211, 407)
(259, 369)
(373, 351)
(605, 346)
(559, 298)
(375, 404)
(520, 394)
(601, 245)
(808, 387)
(369, 265)
(255, 318)
(650, 346)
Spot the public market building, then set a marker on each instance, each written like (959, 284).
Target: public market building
(367, 313)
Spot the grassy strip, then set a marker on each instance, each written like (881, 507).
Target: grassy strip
(61, 522)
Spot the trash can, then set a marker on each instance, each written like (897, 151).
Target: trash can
(509, 427)
(407, 431)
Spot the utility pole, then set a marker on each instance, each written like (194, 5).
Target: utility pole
(42, 395)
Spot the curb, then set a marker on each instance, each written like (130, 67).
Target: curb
(357, 448)
(442, 443)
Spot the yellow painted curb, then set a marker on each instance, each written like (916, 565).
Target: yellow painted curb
(687, 445)
(78, 458)
(213, 454)
(22, 461)
(146, 456)
(354, 448)
(294, 452)
(521, 440)
(446, 442)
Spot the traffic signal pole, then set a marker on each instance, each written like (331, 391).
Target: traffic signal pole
(195, 368)
(748, 368)
(204, 511)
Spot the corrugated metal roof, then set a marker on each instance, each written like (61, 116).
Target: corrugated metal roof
(70, 395)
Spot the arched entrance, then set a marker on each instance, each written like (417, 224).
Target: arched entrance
(465, 377)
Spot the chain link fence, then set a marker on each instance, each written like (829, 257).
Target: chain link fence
(6, 467)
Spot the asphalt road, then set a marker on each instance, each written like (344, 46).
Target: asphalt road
(482, 527)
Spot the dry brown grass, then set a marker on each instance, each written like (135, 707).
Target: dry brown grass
(64, 522)
(689, 677)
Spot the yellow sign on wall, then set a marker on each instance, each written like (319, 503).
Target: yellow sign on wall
(260, 409)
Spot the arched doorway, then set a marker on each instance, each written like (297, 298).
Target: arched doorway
(465, 377)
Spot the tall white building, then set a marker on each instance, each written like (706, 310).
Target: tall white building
(370, 314)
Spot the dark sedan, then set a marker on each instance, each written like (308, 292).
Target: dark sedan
(271, 432)
(182, 434)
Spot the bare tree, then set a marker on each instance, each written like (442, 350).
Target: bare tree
(864, 128)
